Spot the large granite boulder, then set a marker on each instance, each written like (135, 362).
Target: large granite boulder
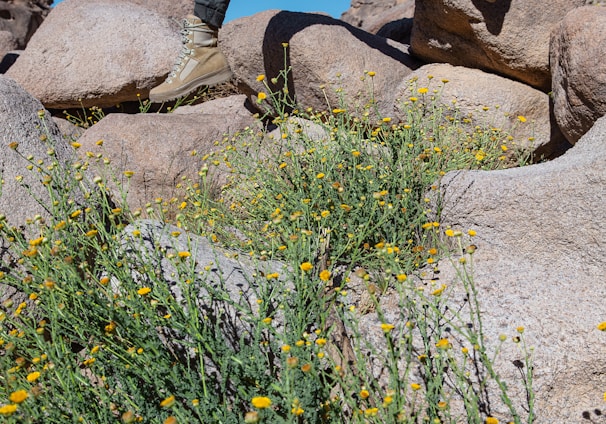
(579, 71)
(390, 19)
(505, 37)
(27, 130)
(174, 9)
(539, 263)
(327, 60)
(134, 48)
(22, 18)
(8, 42)
(158, 148)
(29, 134)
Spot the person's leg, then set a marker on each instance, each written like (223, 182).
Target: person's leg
(200, 62)
(211, 12)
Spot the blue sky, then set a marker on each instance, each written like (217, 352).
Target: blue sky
(239, 8)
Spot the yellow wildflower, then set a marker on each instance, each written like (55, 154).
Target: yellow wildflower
(36, 242)
(8, 409)
(18, 396)
(371, 412)
(439, 291)
(261, 402)
(306, 266)
(168, 402)
(110, 327)
(387, 327)
(491, 420)
(443, 344)
(88, 362)
(364, 394)
(33, 376)
(30, 252)
(325, 275)
(415, 386)
(143, 291)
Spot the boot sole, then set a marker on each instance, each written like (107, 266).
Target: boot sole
(215, 78)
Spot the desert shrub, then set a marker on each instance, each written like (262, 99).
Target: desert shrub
(108, 334)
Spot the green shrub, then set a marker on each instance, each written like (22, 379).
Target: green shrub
(103, 337)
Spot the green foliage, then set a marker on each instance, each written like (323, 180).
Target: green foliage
(359, 186)
(115, 326)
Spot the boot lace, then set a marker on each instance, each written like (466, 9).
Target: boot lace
(188, 29)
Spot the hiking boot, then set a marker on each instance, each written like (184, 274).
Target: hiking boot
(200, 63)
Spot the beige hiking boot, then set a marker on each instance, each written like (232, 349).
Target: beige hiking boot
(200, 63)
